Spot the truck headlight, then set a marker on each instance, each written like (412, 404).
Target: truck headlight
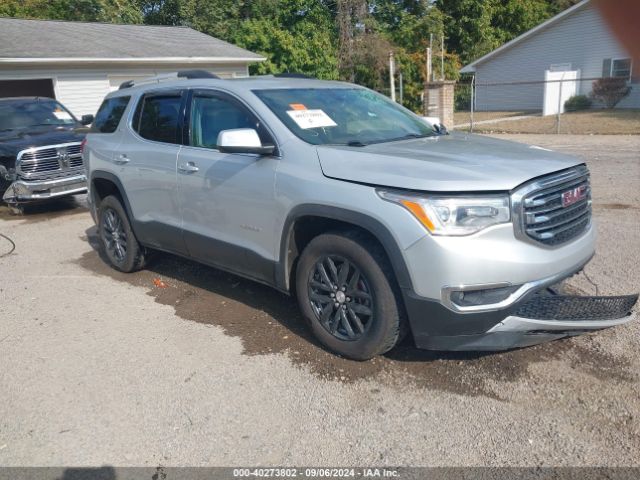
(453, 215)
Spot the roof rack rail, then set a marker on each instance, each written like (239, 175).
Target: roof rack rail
(188, 74)
(127, 84)
(291, 75)
(193, 74)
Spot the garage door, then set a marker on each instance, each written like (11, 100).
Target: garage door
(42, 87)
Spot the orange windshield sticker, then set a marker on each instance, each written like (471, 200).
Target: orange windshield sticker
(297, 106)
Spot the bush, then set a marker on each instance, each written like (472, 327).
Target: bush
(577, 102)
(610, 90)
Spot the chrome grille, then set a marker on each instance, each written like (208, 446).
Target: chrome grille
(555, 209)
(50, 161)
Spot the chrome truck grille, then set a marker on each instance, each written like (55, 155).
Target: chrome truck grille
(555, 209)
(51, 161)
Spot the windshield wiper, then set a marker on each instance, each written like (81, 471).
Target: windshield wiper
(386, 140)
(356, 143)
(405, 137)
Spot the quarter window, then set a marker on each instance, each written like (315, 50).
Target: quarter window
(212, 114)
(158, 118)
(109, 115)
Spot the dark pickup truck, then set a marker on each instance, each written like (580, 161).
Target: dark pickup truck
(40, 151)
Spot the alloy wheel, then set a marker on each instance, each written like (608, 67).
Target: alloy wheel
(114, 235)
(340, 297)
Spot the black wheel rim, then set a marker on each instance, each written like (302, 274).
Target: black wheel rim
(114, 235)
(340, 297)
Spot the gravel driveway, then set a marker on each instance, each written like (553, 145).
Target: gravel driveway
(185, 365)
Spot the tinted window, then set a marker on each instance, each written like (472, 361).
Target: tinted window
(109, 115)
(211, 114)
(159, 118)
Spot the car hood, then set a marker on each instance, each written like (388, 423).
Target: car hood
(13, 141)
(446, 163)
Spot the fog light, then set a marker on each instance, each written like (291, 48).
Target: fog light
(485, 296)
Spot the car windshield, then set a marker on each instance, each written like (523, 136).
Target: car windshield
(25, 113)
(343, 116)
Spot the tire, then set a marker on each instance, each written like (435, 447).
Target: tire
(15, 210)
(374, 290)
(117, 239)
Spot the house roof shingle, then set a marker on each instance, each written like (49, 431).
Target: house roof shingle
(50, 39)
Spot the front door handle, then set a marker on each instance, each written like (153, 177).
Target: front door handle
(188, 167)
(122, 159)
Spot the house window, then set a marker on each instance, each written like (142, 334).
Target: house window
(621, 67)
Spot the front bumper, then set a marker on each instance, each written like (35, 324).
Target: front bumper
(542, 317)
(24, 191)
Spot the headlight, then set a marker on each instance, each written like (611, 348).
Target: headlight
(454, 215)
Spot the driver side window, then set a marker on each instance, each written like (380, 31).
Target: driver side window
(212, 114)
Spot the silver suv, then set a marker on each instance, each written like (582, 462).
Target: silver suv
(381, 224)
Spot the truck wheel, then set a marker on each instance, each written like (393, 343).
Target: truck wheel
(347, 292)
(15, 210)
(116, 237)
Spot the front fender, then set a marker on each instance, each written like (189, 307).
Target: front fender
(371, 225)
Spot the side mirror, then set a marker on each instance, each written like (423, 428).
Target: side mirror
(441, 129)
(242, 140)
(87, 119)
(434, 122)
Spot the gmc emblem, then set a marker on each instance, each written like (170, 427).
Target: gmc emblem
(574, 195)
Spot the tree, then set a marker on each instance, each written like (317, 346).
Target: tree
(294, 35)
(409, 25)
(559, 5)
(217, 18)
(474, 28)
(113, 11)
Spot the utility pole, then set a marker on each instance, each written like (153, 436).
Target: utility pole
(401, 87)
(429, 64)
(430, 70)
(442, 58)
(392, 85)
(473, 101)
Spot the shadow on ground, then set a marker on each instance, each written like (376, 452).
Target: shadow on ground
(267, 321)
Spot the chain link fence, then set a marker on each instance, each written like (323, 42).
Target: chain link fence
(557, 105)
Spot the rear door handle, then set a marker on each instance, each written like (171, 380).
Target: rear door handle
(122, 159)
(188, 167)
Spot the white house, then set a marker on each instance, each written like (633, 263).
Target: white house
(79, 63)
(577, 41)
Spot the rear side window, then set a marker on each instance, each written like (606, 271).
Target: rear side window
(158, 118)
(109, 115)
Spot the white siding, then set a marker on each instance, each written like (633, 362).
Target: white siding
(581, 39)
(82, 88)
(81, 93)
